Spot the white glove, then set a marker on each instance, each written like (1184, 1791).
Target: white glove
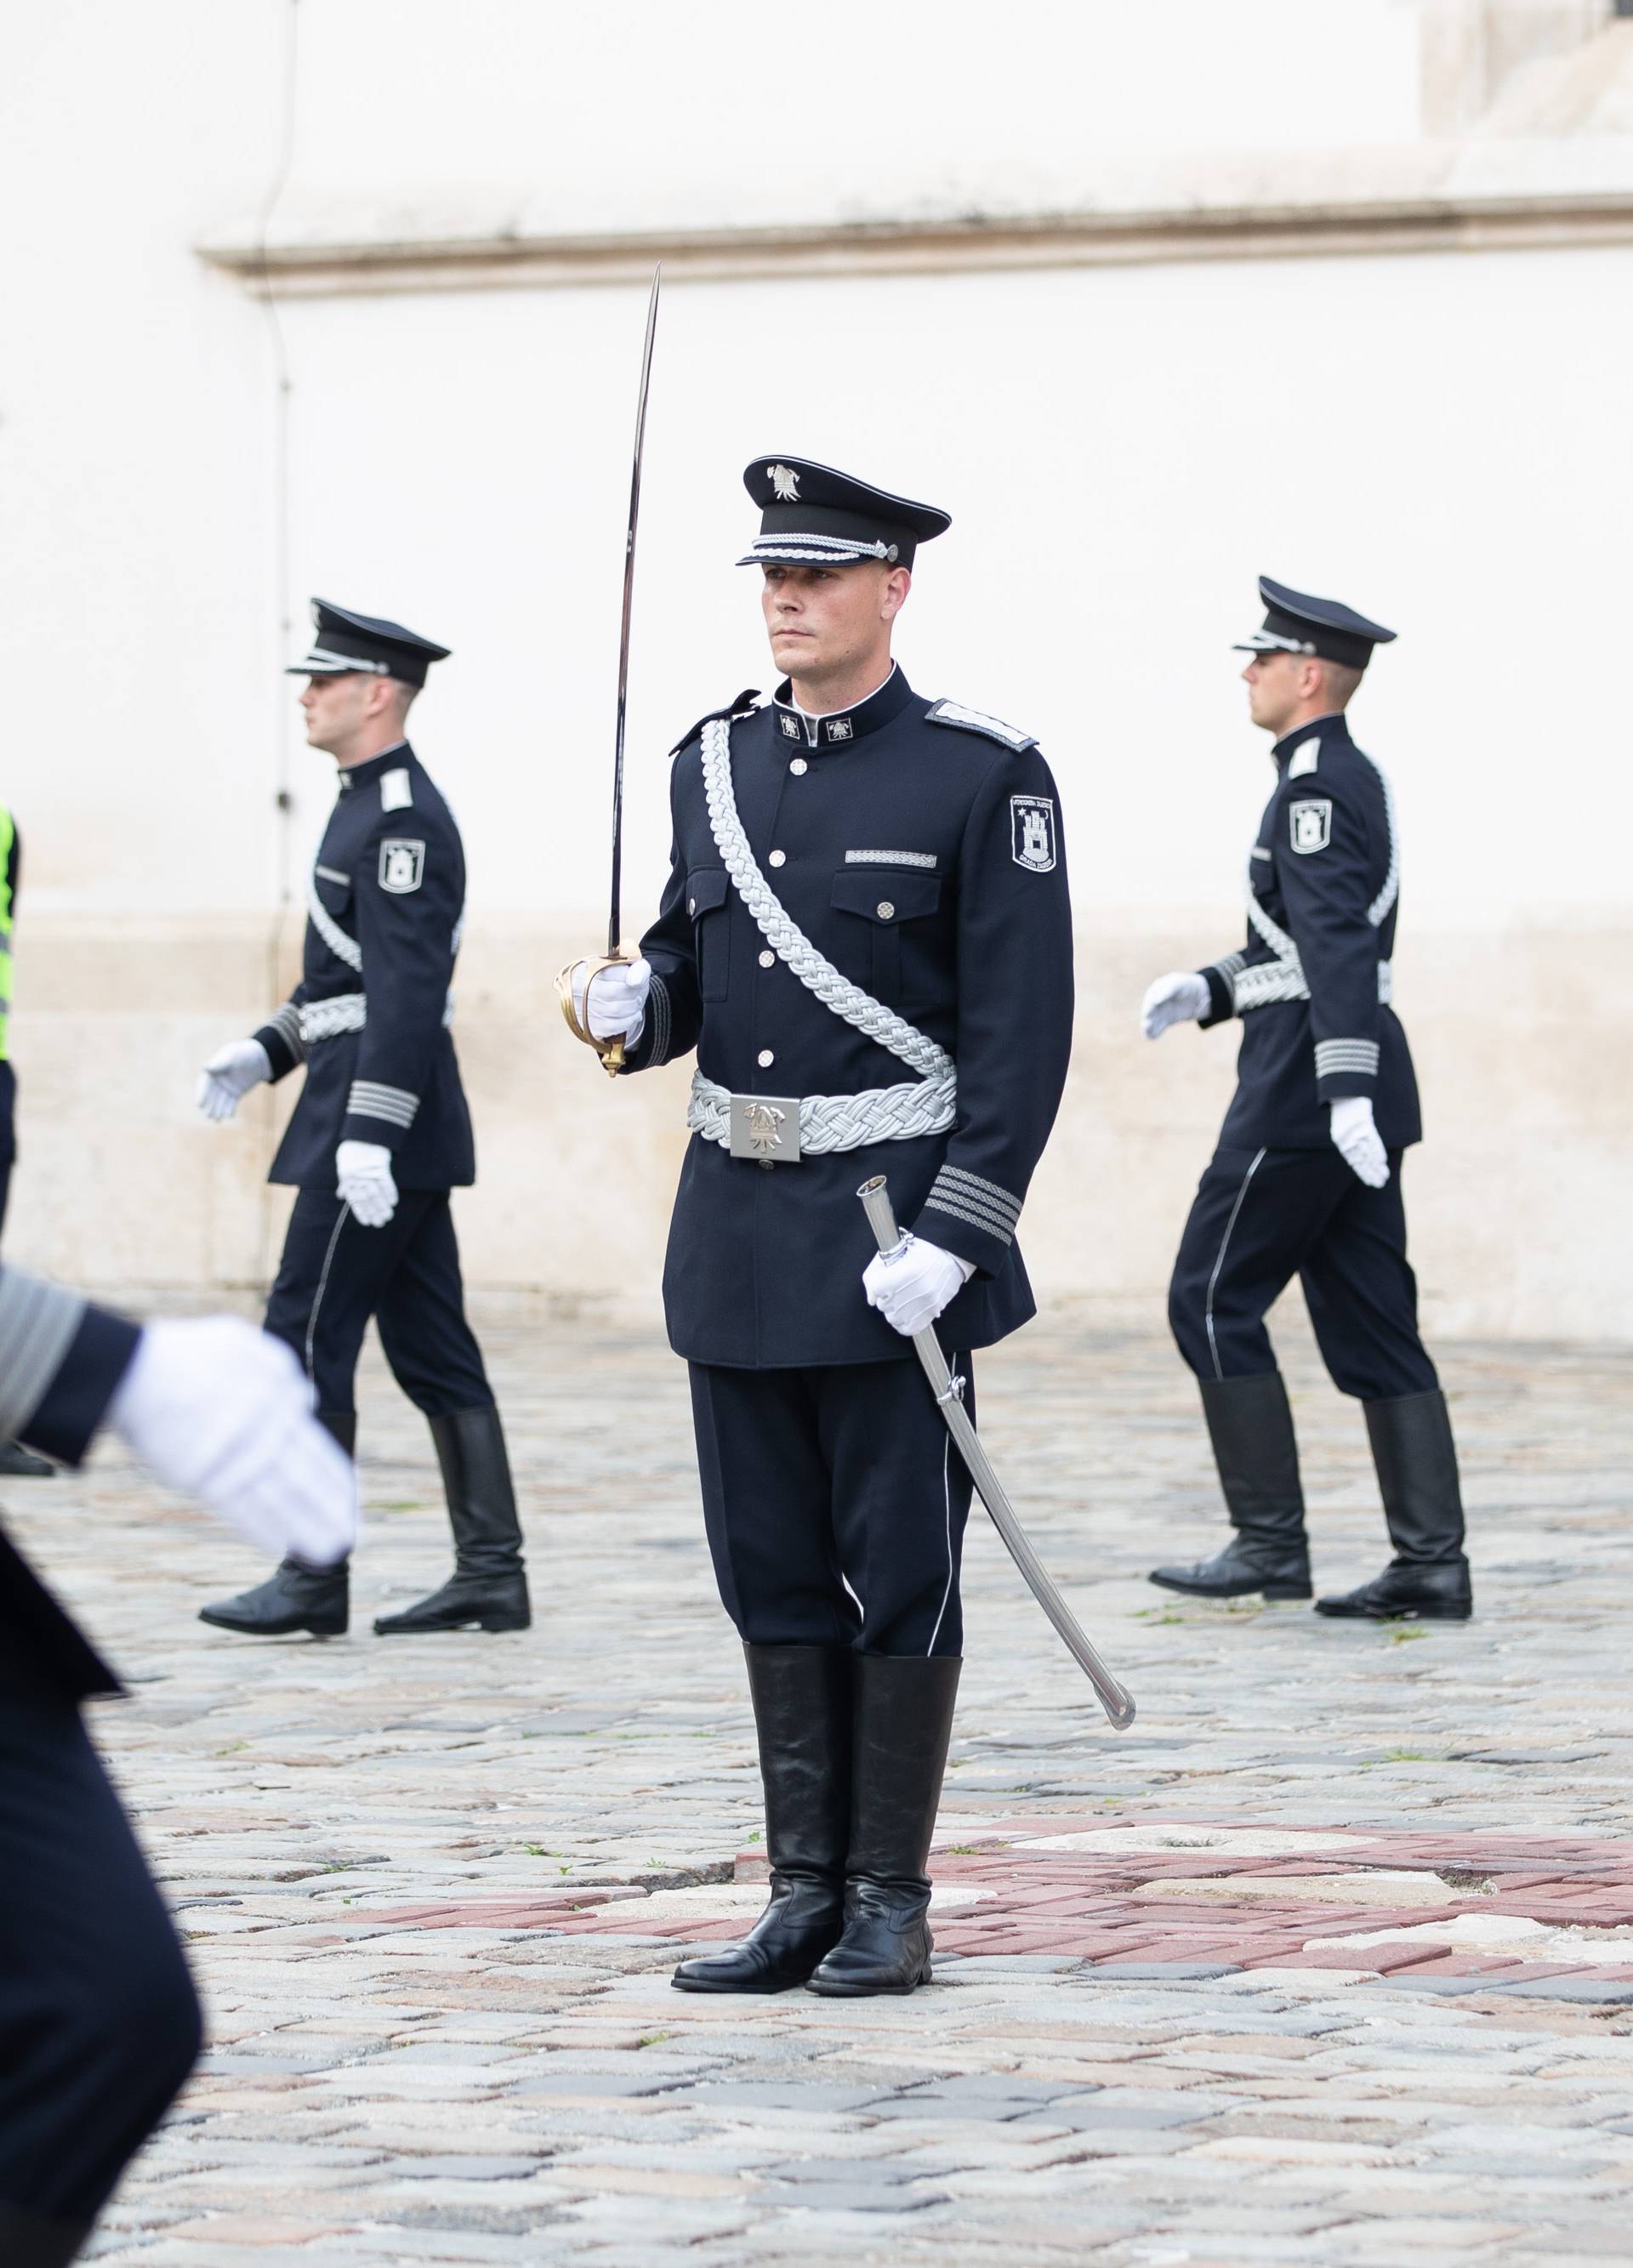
(1179, 997)
(911, 1285)
(1359, 1142)
(363, 1171)
(218, 1411)
(231, 1071)
(617, 998)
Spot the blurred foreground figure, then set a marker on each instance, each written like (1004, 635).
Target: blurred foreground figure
(16, 1461)
(381, 1134)
(99, 2022)
(1306, 1179)
(867, 887)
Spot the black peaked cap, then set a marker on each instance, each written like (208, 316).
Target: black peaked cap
(1297, 623)
(343, 641)
(811, 515)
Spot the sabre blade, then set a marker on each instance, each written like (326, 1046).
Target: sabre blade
(1113, 1697)
(615, 921)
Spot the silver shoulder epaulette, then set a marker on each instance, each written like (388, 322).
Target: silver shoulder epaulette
(396, 790)
(742, 706)
(1306, 756)
(976, 720)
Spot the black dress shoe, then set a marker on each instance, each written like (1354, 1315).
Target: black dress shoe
(1244, 1566)
(489, 1602)
(904, 1713)
(801, 1697)
(1408, 1590)
(316, 1599)
(18, 1463)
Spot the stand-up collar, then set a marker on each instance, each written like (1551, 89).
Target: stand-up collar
(1330, 727)
(841, 726)
(392, 759)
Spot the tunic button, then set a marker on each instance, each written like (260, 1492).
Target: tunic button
(765, 1059)
(799, 767)
(692, 905)
(768, 959)
(885, 910)
(778, 859)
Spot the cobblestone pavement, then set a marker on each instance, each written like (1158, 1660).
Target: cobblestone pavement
(1328, 1960)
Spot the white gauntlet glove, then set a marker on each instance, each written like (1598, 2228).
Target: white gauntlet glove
(221, 1412)
(617, 999)
(363, 1172)
(1179, 997)
(229, 1072)
(1359, 1142)
(911, 1285)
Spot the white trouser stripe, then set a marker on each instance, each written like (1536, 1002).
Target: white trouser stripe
(1213, 1343)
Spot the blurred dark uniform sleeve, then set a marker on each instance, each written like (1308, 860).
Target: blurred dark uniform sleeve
(1323, 866)
(1015, 1011)
(98, 2020)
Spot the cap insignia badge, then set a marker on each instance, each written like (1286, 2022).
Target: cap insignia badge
(784, 483)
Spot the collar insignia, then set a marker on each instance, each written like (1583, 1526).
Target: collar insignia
(839, 728)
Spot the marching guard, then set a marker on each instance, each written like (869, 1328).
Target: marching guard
(1306, 1178)
(99, 2019)
(381, 1134)
(869, 889)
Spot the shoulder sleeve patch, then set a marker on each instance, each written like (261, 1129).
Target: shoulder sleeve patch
(741, 707)
(397, 791)
(976, 720)
(1306, 756)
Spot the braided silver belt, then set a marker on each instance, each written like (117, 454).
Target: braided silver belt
(834, 1122)
(327, 1020)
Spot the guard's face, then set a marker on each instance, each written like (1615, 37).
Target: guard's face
(1273, 689)
(333, 708)
(822, 621)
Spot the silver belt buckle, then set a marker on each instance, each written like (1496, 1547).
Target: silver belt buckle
(766, 1128)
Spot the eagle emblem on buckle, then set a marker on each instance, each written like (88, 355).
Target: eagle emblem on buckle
(784, 483)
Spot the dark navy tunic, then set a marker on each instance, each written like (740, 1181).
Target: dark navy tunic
(388, 896)
(918, 847)
(1314, 1028)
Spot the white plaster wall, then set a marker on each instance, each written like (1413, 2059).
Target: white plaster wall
(1437, 438)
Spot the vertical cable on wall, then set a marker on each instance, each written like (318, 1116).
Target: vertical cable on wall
(284, 802)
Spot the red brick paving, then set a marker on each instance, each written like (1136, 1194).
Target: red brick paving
(1084, 1904)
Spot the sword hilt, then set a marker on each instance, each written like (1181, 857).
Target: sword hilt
(610, 1051)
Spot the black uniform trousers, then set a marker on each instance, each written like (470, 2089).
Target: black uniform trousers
(334, 1274)
(835, 1505)
(1262, 1217)
(98, 2020)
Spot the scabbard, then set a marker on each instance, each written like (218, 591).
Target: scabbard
(1113, 1698)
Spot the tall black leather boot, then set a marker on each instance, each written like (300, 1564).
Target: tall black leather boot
(1417, 1461)
(904, 1714)
(1251, 1427)
(488, 1589)
(801, 1697)
(297, 1597)
(27, 2240)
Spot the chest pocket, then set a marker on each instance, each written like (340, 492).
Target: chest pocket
(706, 888)
(334, 891)
(898, 904)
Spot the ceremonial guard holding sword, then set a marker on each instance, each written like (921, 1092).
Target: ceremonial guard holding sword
(866, 936)
(381, 1134)
(1306, 1178)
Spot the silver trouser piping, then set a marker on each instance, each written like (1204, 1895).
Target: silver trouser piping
(840, 1122)
(327, 1020)
(1267, 982)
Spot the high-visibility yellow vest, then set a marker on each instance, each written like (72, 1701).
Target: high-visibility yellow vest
(8, 837)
